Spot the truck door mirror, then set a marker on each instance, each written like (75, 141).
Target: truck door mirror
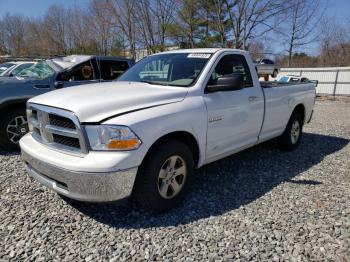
(58, 84)
(226, 83)
(315, 82)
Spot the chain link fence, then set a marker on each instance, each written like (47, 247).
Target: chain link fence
(331, 80)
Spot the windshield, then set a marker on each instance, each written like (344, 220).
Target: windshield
(41, 70)
(5, 66)
(176, 69)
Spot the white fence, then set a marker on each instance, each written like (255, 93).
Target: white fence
(331, 80)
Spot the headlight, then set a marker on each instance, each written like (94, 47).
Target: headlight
(110, 137)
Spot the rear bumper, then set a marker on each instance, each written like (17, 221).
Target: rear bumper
(83, 186)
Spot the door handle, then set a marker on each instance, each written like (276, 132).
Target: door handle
(252, 98)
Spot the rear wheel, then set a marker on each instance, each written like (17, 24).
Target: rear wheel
(163, 179)
(290, 139)
(13, 126)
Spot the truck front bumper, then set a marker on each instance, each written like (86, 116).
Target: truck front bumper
(79, 185)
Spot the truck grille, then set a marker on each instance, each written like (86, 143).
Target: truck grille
(60, 121)
(57, 128)
(67, 141)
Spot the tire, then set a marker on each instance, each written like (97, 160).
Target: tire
(156, 181)
(275, 73)
(291, 137)
(13, 125)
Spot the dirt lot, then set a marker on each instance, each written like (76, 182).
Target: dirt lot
(259, 205)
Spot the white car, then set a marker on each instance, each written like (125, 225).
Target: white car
(145, 134)
(13, 68)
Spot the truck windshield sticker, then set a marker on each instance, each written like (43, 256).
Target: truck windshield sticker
(198, 55)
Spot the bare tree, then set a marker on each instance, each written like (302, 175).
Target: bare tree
(300, 24)
(250, 19)
(3, 49)
(123, 14)
(55, 26)
(14, 34)
(102, 24)
(165, 11)
(334, 44)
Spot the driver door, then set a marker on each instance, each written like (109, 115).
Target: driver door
(234, 117)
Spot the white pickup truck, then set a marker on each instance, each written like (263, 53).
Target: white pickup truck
(146, 133)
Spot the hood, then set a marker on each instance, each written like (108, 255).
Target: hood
(96, 102)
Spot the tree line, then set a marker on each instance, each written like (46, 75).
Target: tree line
(120, 27)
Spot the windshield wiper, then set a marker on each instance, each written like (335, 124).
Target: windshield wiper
(153, 83)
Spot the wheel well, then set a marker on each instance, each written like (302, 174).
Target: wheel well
(182, 136)
(13, 106)
(301, 110)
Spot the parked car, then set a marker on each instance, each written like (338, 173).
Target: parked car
(16, 68)
(265, 67)
(46, 76)
(146, 132)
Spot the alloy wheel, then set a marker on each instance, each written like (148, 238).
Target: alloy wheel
(17, 128)
(172, 177)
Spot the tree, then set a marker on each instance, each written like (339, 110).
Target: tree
(186, 28)
(55, 27)
(250, 19)
(102, 25)
(14, 34)
(216, 23)
(3, 49)
(123, 14)
(82, 39)
(334, 44)
(300, 24)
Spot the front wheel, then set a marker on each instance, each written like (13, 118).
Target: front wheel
(163, 179)
(290, 139)
(13, 125)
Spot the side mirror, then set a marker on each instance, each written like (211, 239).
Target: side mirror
(58, 85)
(227, 83)
(315, 82)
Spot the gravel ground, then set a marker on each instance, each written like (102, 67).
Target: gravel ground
(259, 205)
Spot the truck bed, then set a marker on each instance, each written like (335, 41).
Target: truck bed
(270, 84)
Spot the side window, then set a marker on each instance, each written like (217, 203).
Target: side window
(111, 70)
(81, 72)
(232, 65)
(19, 68)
